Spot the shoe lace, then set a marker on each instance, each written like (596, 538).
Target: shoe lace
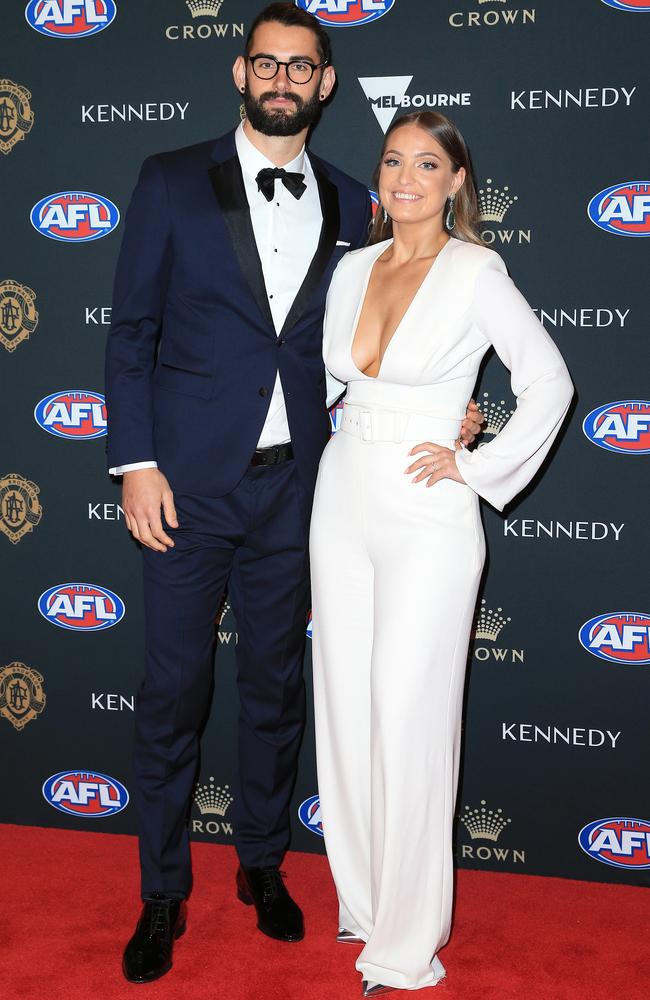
(272, 883)
(159, 916)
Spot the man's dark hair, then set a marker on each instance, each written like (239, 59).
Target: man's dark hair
(293, 17)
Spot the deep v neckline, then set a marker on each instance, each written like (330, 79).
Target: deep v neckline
(362, 302)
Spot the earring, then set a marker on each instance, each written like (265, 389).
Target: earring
(384, 215)
(450, 218)
(242, 89)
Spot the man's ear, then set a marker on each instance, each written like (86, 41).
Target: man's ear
(327, 82)
(239, 73)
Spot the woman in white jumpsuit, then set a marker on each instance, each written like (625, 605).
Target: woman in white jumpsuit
(396, 564)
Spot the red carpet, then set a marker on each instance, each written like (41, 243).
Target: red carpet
(70, 903)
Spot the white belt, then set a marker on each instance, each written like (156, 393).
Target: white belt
(396, 425)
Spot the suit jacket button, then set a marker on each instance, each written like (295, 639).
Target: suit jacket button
(280, 341)
(264, 391)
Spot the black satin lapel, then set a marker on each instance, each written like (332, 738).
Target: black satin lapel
(229, 189)
(329, 203)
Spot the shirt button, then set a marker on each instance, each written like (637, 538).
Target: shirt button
(275, 250)
(270, 296)
(264, 391)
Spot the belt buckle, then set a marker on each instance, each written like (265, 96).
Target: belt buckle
(366, 426)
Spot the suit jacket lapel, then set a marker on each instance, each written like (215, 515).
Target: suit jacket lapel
(228, 185)
(329, 203)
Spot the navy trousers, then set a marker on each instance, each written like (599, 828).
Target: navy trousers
(254, 540)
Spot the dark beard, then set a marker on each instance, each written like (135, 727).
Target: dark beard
(306, 114)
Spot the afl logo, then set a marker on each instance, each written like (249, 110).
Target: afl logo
(374, 201)
(81, 607)
(619, 842)
(309, 815)
(72, 413)
(309, 626)
(70, 18)
(74, 216)
(623, 426)
(623, 209)
(620, 637)
(637, 6)
(346, 13)
(85, 793)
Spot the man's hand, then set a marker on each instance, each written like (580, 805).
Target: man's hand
(144, 492)
(471, 425)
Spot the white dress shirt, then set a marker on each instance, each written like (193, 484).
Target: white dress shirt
(287, 231)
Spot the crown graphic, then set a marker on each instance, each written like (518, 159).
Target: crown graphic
(211, 799)
(224, 608)
(489, 623)
(494, 203)
(496, 414)
(484, 823)
(204, 8)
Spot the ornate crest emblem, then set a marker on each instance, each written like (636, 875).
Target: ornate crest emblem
(18, 316)
(16, 116)
(21, 694)
(20, 508)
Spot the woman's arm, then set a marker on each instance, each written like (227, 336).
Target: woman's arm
(539, 379)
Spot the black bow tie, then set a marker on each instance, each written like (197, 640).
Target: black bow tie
(292, 181)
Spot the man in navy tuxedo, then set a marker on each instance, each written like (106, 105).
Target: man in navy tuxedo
(217, 396)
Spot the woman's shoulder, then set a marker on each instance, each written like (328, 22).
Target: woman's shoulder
(475, 256)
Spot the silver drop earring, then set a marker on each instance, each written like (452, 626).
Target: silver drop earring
(384, 215)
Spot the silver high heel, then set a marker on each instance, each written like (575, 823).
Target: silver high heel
(348, 937)
(369, 989)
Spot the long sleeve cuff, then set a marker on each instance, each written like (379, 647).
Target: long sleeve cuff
(119, 470)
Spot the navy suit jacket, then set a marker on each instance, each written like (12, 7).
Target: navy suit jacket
(192, 353)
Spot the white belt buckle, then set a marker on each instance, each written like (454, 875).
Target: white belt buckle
(365, 425)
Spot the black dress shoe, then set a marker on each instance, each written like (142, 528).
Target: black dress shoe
(277, 914)
(148, 955)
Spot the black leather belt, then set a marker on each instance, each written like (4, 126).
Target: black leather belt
(272, 456)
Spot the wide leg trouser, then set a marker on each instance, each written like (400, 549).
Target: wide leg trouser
(395, 572)
(254, 540)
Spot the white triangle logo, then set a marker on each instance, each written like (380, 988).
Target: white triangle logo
(385, 95)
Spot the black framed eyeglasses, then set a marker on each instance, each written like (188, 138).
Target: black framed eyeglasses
(298, 70)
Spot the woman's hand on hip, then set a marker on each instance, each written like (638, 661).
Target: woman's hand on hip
(437, 463)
